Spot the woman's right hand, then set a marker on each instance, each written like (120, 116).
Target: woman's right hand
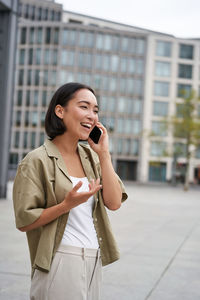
(75, 198)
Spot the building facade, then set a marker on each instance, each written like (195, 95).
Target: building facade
(8, 28)
(133, 71)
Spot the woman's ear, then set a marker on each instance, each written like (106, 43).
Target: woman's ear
(59, 111)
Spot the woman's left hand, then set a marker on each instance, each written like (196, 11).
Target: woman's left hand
(103, 144)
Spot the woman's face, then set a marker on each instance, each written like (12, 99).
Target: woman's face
(81, 114)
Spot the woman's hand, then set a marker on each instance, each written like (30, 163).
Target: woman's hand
(75, 198)
(103, 144)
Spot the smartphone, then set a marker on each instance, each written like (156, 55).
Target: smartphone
(95, 134)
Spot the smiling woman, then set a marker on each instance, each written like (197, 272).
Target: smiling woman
(60, 193)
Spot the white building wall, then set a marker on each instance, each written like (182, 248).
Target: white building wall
(149, 97)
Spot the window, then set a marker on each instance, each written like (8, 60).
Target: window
(48, 35)
(38, 56)
(185, 71)
(198, 152)
(107, 42)
(65, 76)
(134, 150)
(29, 78)
(33, 139)
(19, 97)
(34, 118)
(47, 57)
(162, 69)
(85, 60)
(180, 109)
(137, 106)
(56, 36)
(28, 98)
(45, 78)
(140, 66)
(100, 41)
(39, 36)
(35, 98)
(68, 37)
(20, 77)
(44, 98)
(42, 137)
(16, 139)
(184, 90)
(163, 48)
(125, 44)
(67, 58)
(30, 56)
(114, 63)
(42, 118)
(140, 46)
(23, 36)
(25, 139)
(161, 88)
(13, 159)
(158, 148)
(31, 35)
(54, 57)
(124, 64)
(159, 128)
(186, 51)
(18, 118)
(27, 115)
(37, 77)
(180, 149)
(136, 127)
(21, 56)
(160, 108)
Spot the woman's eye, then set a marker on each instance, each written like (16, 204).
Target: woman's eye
(84, 107)
(96, 111)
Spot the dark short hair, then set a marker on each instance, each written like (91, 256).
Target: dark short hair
(53, 124)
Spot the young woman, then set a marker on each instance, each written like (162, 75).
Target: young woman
(60, 193)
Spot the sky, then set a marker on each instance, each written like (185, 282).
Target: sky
(180, 18)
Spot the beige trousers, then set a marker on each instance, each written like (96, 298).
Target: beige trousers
(76, 274)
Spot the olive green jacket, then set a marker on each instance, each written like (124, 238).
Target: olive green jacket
(42, 181)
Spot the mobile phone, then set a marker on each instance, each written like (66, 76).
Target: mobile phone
(95, 134)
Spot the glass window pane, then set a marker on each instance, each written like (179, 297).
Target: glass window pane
(21, 56)
(46, 56)
(34, 118)
(19, 97)
(160, 108)
(140, 46)
(186, 51)
(185, 71)
(184, 90)
(39, 36)
(161, 88)
(162, 69)
(20, 77)
(163, 48)
(159, 128)
(23, 36)
(158, 148)
(114, 63)
(67, 58)
(136, 127)
(38, 56)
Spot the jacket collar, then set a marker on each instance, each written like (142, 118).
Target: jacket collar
(52, 151)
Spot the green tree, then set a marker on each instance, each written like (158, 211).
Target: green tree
(185, 127)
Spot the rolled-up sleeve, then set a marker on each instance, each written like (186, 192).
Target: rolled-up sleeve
(28, 195)
(124, 194)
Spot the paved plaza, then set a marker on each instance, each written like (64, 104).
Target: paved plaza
(158, 232)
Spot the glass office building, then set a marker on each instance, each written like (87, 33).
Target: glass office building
(137, 75)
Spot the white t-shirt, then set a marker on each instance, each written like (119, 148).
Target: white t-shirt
(80, 230)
